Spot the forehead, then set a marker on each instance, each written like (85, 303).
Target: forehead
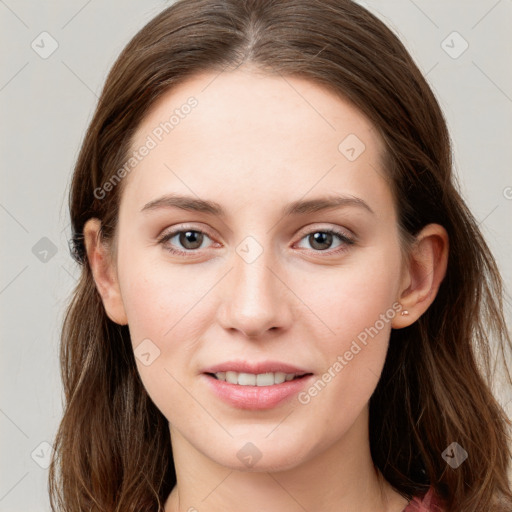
(245, 131)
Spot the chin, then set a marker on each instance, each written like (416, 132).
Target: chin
(254, 454)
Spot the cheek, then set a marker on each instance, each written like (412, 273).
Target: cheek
(163, 326)
(159, 297)
(357, 305)
(353, 296)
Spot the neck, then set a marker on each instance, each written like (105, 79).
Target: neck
(339, 478)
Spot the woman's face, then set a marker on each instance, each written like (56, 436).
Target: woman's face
(267, 280)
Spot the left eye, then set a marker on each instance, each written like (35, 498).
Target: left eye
(321, 237)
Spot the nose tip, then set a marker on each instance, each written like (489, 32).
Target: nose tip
(254, 301)
(253, 319)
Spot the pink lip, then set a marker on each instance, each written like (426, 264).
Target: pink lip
(255, 397)
(254, 367)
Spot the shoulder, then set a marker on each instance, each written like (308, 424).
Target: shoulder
(426, 503)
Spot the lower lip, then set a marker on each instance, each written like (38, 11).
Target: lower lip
(256, 397)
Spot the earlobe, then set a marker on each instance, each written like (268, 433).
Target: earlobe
(105, 276)
(426, 268)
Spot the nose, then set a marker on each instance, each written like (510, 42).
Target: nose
(255, 298)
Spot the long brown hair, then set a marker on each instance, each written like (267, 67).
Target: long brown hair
(112, 449)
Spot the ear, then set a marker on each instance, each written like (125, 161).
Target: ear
(104, 272)
(424, 272)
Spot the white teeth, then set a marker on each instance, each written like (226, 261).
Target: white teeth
(231, 377)
(251, 379)
(265, 379)
(247, 379)
(279, 377)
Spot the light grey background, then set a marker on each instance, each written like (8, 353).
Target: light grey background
(46, 104)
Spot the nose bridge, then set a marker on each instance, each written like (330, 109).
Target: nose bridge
(254, 300)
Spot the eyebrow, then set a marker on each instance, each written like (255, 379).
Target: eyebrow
(299, 207)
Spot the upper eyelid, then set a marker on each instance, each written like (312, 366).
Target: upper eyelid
(174, 231)
(306, 231)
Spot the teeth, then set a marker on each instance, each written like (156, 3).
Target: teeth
(247, 379)
(251, 379)
(266, 379)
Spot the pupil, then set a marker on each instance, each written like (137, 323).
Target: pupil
(321, 238)
(191, 237)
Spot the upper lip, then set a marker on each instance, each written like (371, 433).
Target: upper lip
(255, 367)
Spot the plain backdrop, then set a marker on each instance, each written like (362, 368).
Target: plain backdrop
(55, 57)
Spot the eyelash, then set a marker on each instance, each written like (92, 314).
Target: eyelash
(347, 241)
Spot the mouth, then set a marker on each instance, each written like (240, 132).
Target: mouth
(256, 379)
(259, 389)
(257, 385)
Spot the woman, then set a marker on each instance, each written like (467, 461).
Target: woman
(285, 304)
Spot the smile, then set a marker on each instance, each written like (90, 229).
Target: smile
(256, 391)
(252, 379)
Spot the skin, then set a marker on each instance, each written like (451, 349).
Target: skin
(254, 144)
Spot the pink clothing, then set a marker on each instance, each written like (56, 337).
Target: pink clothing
(426, 504)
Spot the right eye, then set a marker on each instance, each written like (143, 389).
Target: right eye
(190, 239)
